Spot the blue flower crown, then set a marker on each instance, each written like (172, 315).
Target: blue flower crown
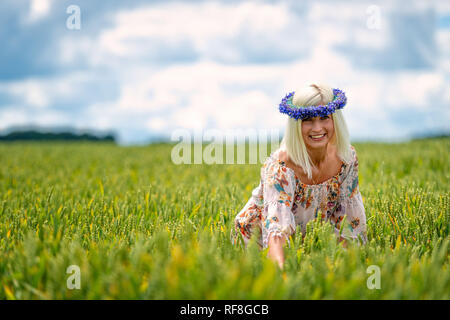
(296, 112)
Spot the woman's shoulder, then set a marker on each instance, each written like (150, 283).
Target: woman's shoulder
(352, 164)
(273, 158)
(354, 155)
(275, 162)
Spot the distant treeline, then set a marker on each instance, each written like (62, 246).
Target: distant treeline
(440, 135)
(52, 136)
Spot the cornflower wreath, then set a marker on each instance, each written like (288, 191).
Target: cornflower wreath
(296, 112)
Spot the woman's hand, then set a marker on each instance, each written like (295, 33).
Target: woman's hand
(344, 241)
(276, 252)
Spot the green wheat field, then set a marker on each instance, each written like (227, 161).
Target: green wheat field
(140, 227)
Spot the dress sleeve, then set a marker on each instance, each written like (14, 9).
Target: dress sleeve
(278, 194)
(351, 206)
(249, 217)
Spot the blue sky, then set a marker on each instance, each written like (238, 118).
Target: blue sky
(146, 68)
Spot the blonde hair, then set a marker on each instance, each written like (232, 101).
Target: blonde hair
(314, 94)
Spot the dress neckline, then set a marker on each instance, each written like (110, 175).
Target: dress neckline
(282, 163)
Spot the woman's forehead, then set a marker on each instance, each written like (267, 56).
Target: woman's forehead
(311, 118)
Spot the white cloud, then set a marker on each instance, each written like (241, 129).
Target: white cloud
(11, 116)
(157, 123)
(217, 88)
(17, 116)
(198, 23)
(443, 42)
(414, 88)
(38, 10)
(207, 94)
(31, 91)
(186, 31)
(41, 93)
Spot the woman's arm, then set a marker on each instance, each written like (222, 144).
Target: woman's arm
(276, 252)
(278, 221)
(343, 240)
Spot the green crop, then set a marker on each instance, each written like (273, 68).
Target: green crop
(140, 227)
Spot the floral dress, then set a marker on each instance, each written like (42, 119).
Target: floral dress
(282, 202)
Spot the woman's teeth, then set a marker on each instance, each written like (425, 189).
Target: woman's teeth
(318, 136)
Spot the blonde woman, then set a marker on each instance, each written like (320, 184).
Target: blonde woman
(313, 173)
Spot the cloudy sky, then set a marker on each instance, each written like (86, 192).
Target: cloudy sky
(146, 68)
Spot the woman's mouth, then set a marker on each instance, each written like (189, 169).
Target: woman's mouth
(318, 137)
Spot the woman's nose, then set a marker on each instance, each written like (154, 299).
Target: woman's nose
(316, 126)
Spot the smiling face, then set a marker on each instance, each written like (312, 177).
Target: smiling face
(318, 131)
